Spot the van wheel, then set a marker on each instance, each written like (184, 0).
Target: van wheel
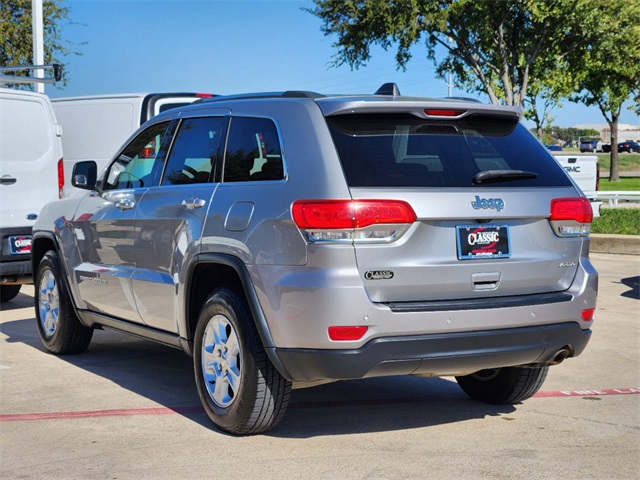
(505, 385)
(8, 292)
(241, 391)
(58, 325)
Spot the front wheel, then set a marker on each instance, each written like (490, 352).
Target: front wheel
(505, 385)
(241, 391)
(58, 325)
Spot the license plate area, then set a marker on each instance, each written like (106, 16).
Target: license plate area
(20, 245)
(476, 242)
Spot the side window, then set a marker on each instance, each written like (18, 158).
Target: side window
(194, 151)
(133, 167)
(253, 151)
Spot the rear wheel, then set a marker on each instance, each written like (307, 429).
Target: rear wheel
(505, 385)
(58, 325)
(8, 292)
(241, 391)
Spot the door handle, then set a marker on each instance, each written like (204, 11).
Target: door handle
(124, 204)
(194, 203)
(7, 180)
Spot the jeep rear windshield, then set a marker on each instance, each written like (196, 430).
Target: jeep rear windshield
(381, 150)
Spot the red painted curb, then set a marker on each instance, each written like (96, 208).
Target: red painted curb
(125, 412)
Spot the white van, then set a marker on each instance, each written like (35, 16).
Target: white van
(31, 175)
(95, 127)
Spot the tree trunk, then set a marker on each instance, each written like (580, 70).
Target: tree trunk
(614, 174)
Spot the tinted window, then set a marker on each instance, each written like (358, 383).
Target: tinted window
(403, 150)
(253, 151)
(194, 151)
(134, 166)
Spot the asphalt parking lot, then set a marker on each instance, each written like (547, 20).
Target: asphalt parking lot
(128, 408)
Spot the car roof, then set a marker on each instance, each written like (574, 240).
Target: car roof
(337, 104)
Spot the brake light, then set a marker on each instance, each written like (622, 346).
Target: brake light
(571, 216)
(347, 220)
(346, 334)
(204, 95)
(60, 177)
(438, 112)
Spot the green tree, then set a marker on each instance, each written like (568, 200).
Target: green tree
(541, 114)
(16, 35)
(497, 48)
(608, 72)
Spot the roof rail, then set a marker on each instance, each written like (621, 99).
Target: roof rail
(258, 95)
(54, 69)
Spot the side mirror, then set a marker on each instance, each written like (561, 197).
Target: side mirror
(85, 175)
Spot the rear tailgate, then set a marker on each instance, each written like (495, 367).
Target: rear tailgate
(481, 188)
(430, 262)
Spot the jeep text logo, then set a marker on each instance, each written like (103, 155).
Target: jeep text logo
(485, 203)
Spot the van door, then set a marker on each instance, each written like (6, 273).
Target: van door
(170, 220)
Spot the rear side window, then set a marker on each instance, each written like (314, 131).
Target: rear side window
(194, 150)
(406, 151)
(253, 151)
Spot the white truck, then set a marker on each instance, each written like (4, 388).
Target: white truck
(584, 170)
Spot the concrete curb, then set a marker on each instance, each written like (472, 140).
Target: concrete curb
(619, 244)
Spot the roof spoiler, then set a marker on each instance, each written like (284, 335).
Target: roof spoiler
(388, 89)
(54, 70)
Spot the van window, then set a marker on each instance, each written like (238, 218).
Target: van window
(253, 151)
(25, 134)
(134, 166)
(407, 151)
(194, 151)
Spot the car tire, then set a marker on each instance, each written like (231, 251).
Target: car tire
(505, 385)
(8, 292)
(59, 328)
(240, 389)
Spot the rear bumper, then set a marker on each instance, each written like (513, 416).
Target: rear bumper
(435, 355)
(14, 268)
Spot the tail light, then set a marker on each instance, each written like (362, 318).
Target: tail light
(352, 220)
(60, 177)
(571, 217)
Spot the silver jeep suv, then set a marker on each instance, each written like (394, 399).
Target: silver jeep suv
(291, 239)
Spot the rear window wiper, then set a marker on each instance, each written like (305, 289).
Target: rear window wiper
(494, 176)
